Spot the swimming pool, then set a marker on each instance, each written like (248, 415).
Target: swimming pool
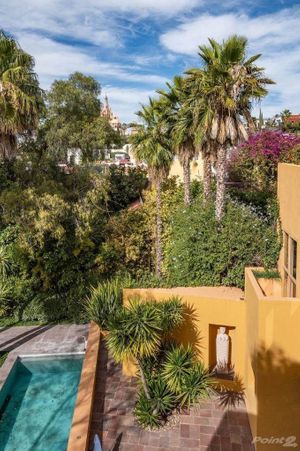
(37, 403)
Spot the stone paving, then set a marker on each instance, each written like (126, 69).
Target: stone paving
(206, 427)
(50, 339)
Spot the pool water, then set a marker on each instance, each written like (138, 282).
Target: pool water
(37, 403)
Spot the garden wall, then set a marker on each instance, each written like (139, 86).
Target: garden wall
(210, 308)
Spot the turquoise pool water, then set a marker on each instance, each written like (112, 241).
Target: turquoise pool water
(37, 403)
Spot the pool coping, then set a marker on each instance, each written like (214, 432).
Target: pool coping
(82, 416)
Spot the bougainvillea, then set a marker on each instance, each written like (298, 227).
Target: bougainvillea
(270, 145)
(254, 162)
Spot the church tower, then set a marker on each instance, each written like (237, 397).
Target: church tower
(112, 119)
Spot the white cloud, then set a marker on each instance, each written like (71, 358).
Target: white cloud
(93, 21)
(275, 35)
(55, 60)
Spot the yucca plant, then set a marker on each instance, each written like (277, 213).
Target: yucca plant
(145, 413)
(197, 384)
(164, 401)
(105, 300)
(171, 313)
(135, 332)
(178, 364)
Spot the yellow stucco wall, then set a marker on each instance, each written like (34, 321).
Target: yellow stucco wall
(272, 370)
(211, 307)
(289, 203)
(196, 169)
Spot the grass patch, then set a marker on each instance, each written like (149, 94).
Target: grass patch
(267, 274)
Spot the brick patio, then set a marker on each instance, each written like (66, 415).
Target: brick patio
(206, 427)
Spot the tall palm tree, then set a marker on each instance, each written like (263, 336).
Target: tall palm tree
(152, 146)
(225, 86)
(21, 99)
(178, 114)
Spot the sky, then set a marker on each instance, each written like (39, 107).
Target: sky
(133, 47)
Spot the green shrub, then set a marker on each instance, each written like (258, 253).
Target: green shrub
(201, 251)
(267, 274)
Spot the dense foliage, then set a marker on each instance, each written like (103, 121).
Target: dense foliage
(201, 251)
(53, 230)
(254, 163)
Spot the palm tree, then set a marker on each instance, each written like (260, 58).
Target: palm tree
(152, 146)
(178, 114)
(225, 87)
(21, 99)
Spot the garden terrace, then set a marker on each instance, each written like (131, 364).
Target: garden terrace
(206, 426)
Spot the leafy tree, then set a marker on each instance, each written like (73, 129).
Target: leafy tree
(151, 145)
(73, 117)
(21, 99)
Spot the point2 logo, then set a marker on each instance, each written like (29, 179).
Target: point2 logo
(287, 442)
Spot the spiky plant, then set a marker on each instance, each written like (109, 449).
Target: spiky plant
(196, 384)
(171, 313)
(135, 332)
(145, 413)
(178, 363)
(105, 300)
(163, 399)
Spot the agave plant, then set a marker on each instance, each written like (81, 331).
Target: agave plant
(164, 400)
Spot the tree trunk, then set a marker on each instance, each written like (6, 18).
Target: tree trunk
(187, 181)
(207, 176)
(221, 172)
(250, 122)
(143, 379)
(8, 147)
(158, 229)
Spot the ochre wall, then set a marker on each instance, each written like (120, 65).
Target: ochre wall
(289, 203)
(196, 169)
(272, 376)
(211, 306)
